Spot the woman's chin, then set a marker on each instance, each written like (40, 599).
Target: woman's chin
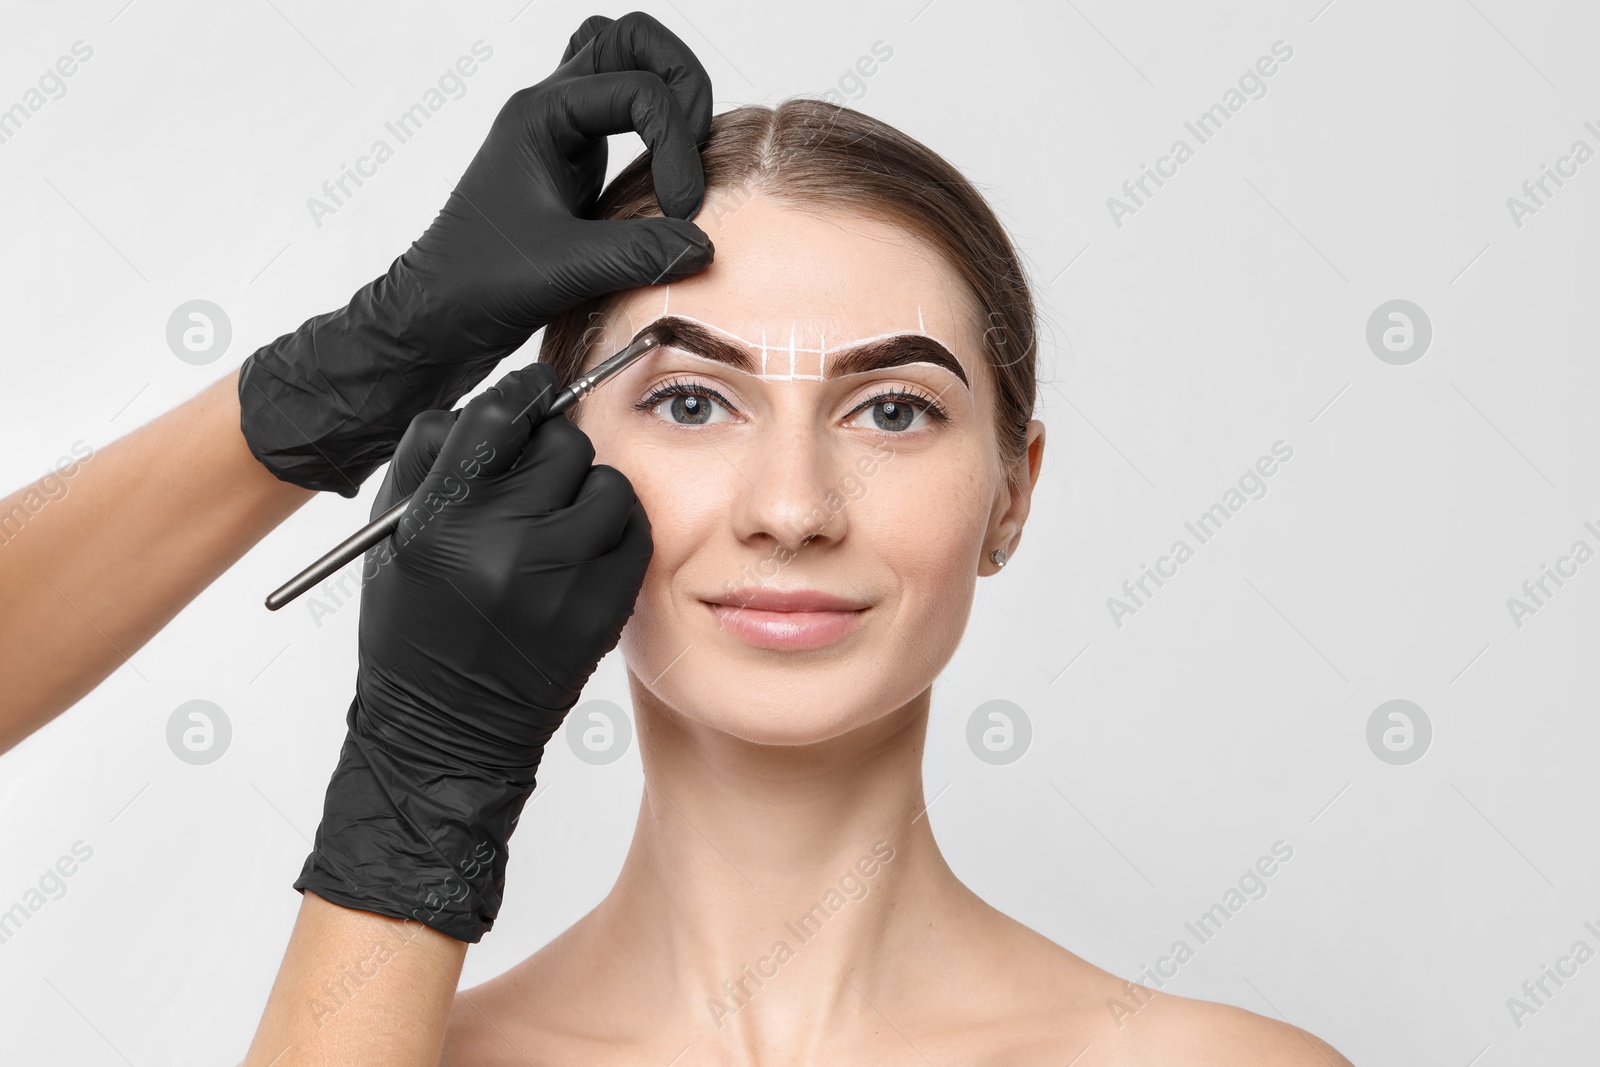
(715, 678)
(766, 719)
(785, 727)
(746, 710)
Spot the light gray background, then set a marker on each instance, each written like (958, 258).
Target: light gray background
(1228, 313)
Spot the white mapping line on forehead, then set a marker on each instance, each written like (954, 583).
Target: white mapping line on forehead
(791, 348)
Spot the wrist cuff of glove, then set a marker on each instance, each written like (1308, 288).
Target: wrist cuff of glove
(324, 406)
(412, 841)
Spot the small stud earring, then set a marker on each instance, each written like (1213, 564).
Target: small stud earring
(999, 556)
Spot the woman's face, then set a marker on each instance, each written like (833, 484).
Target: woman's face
(878, 491)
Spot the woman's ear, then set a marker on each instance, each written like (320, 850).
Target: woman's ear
(1013, 502)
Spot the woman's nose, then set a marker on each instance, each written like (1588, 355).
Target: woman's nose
(791, 488)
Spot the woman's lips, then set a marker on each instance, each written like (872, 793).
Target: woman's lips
(790, 621)
(791, 630)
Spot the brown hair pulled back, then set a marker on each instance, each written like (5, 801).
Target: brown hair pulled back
(813, 154)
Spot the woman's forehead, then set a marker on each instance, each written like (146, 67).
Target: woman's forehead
(811, 271)
(814, 327)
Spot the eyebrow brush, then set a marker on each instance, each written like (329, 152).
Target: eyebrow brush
(385, 524)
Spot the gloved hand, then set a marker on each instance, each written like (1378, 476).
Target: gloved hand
(513, 246)
(482, 618)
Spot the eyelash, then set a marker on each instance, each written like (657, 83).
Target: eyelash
(688, 387)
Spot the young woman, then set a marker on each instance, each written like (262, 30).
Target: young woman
(836, 448)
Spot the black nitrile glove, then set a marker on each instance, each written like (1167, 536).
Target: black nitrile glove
(482, 618)
(513, 246)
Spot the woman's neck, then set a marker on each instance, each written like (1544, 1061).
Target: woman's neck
(775, 890)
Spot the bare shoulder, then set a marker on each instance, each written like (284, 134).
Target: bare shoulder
(1184, 1031)
(1108, 1021)
(1013, 997)
(546, 1010)
(499, 1022)
(471, 1036)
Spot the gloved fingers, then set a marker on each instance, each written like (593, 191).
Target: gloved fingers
(611, 579)
(599, 514)
(497, 424)
(638, 101)
(637, 543)
(532, 389)
(551, 470)
(614, 254)
(534, 470)
(637, 41)
(585, 33)
(413, 457)
(486, 439)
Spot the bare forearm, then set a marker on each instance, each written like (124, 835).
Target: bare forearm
(93, 565)
(358, 988)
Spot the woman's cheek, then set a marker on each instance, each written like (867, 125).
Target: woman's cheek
(688, 510)
(949, 538)
(680, 486)
(930, 504)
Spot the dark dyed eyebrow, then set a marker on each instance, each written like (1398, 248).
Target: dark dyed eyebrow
(883, 353)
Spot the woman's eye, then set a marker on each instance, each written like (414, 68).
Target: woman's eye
(689, 404)
(689, 409)
(894, 414)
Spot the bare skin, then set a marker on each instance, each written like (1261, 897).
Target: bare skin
(917, 971)
(92, 567)
(144, 524)
(358, 988)
(782, 783)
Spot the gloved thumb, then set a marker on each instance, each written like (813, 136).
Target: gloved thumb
(485, 438)
(497, 424)
(633, 253)
(413, 457)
